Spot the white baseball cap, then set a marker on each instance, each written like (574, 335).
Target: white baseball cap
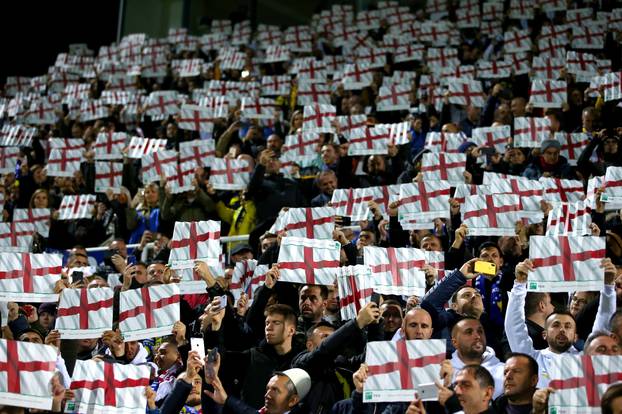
(301, 380)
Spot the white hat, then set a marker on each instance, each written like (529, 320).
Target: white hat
(301, 380)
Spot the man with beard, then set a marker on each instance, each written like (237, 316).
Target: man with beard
(331, 313)
(186, 394)
(312, 301)
(519, 384)
(559, 327)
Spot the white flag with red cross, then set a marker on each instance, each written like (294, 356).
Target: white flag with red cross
(570, 219)
(462, 71)
(102, 387)
(613, 86)
(395, 97)
(301, 144)
(356, 76)
(447, 142)
(522, 9)
(155, 164)
(308, 261)
(348, 123)
(494, 69)
(547, 93)
(397, 368)
(552, 5)
(92, 109)
(436, 259)
(110, 145)
(352, 202)
(573, 144)
(398, 133)
(465, 91)
(8, 159)
(29, 277)
(556, 34)
(589, 36)
(276, 53)
(258, 108)
(278, 85)
(41, 112)
(310, 93)
(566, 263)
(530, 132)
(424, 200)
(396, 270)
(198, 152)
(311, 223)
(613, 186)
(384, 195)
(580, 381)
(108, 176)
(26, 370)
(468, 16)
(16, 237)
(369, 141)
(409, 52)
(581, 64)
(84, 313)
(445, 167)
(298, 39)
(161, 104)
(139, 147)
(148, 312)
(74, 207)
(491, 215)
(242, 279)
(195, 118)
(180, 178)
(558, 190)
(64, 163)
(355, 285)
(17, 84)
(517, 41)
(547, 67)
(497, 137)
(228, 174)
(195, 240)
(318, 118)
(311, 70)
(579, 16)
(464, 190)
(530, 193)
(39, 217)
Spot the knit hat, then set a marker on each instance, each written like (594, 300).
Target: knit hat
(547, 143)
(465, 146)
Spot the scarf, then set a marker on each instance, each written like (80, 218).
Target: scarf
(495, 300)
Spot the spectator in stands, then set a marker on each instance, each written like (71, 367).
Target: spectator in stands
(550, 163)
(520, 378)
(611, 401)
(474, 387)
(326, 182)
(144, 216)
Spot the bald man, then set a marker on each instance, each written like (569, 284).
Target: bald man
(417, 324)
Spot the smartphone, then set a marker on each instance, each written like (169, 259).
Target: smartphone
(346, 221)
(197, 344)
(485, 268)
(375, 297)
(212, 355)
(223, 302)
(487, 150)
(427, 392)
(77, 276)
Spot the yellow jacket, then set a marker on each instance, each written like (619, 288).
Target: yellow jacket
(242, 219)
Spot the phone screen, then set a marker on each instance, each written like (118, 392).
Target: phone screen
(197, 344)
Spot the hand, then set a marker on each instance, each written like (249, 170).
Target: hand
(444, 393)
(454, 207)
(13, 311)
(468, 269)
(393, 208)
(460, 235)
(610, 271)
(522, 270)
(216, 314)
(58, 393)
(151, 396)
(595, 230)
(119, 262)
(359, 377)
(193, 365)
(242, 306)
(600, 206)
(540, 400)
(179, 331)
(31, 314)
(416, 407)
(53, 339)
(128, 275)
(375, 209)
(368, 314)
(468, 177)
(114, 341)
(431, 274)
(272, 276)
(447, 372)
(218, 395)
(497, 89)
(339, 236)
(203, 271)
(147, 237)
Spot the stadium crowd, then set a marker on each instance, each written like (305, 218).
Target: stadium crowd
(283, 347)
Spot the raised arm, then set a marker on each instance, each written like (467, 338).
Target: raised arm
(607, 304)
(515, 327)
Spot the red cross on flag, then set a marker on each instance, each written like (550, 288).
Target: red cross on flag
(74, 207)
(298, 39)
(589, 35)
(301, 144)
(157, 163)
(424, 201)
(276, 53)
(310, 93)
(446, 167)
(356, 76)
(29, 277)
(217, 105)
(93, 109)
(437, 34)
(397, 368)
(41, 112)
(516, 41)
(496, 137)
(491, 215)
(258, 108)
(558, 190)
(64, 163)
(368, 20)
(573, 144)
(385, 195)
(439, 58)
(355, 285)
(395, 97)
(110, 145)
(494, 69)
(409, 52)
(398, 133)
(233, 60)
(581, 380)
(468, 16)
(279, 85)
(139, 147)
(108, 176)
(348, 123)
(521, 64)
(522, 9)
(180, 178)
(228, 174)
(199, 152)
(396, 271)
(116, 97)
(269, 35)
(613, 86)
(552, 5)
(190, 68)
(308, 261)
(195, 240)
(26, 370)
(613, 187)
(530, 192)
(312, 223)
(437, 261)
(547, 93)
(17, 84)
(8, 159)
(242, 279)
(161, 104)
(224, 88)
(462, 71)
(16, 237)
(615, 19)
(84, 313)
(311, 70)
(148, 312)
(103, 387)
(39, 217)
(318, 118)
(352, 202)
(195, 118)
(447, 142)
(18, 136)
(581, 64)
(369, 141)
(464, 91)
(465, 190)
(566, 263)
(530, 132)
(570, 219)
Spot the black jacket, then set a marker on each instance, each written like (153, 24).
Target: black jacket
(272, 192)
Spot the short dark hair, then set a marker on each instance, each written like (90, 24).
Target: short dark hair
(532, 363)
(615, 321)
(532, 301)
(466, 318)
(488, 245)
(481, 375)
(614, 391)
(323, 290)
(286, 311)
(560, 312)
(309, 332)
(594, 335)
